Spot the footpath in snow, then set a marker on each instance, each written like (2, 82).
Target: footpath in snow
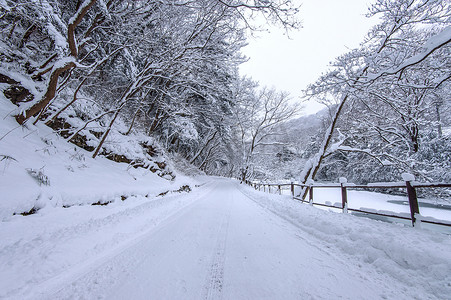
(221, 241)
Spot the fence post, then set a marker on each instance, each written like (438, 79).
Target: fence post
(280, 190)
(269, 189)
(264, 188)
(310, 195)
(344, 198)
(413, 203)
(292, 189)
(344, 195)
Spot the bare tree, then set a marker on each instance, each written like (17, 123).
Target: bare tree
(257, 115)
(380, 57)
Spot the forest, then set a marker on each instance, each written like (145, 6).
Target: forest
(137, 161)
(114, 75)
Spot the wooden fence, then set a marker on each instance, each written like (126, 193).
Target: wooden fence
(409, 186)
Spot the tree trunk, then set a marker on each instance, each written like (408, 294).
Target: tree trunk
(81, 12)
(53, 82)
(49, 94)
(203, 148)
(313, 165)
(133, 120)
(105, 134)
(439, 121)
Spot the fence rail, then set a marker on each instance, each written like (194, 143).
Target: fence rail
(409, 186)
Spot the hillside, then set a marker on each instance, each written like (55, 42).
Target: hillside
(39, 168)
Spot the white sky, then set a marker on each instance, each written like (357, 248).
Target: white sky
(330, 28)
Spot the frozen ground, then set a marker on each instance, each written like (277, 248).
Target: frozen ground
(221, 241)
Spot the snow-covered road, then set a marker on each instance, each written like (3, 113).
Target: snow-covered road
(214, 243)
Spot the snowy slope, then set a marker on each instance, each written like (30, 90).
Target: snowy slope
(68, 175)
(55, 242)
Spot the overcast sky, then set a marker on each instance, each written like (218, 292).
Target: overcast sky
(330, 28)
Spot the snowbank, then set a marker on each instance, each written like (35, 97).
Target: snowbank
(414, 256)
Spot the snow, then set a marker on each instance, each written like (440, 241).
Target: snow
(64, 61)
(223, 240)
(430, 46)
(419, 258)
(378, 202)
(5, 5)
(407, 177)
(54, 241)
(75, 178)
(81, 8)
(58, 38)
(342, 180)
(446, 131)
(23, 80)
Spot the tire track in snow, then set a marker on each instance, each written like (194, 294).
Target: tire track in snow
(145, 218)
(215, 278)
